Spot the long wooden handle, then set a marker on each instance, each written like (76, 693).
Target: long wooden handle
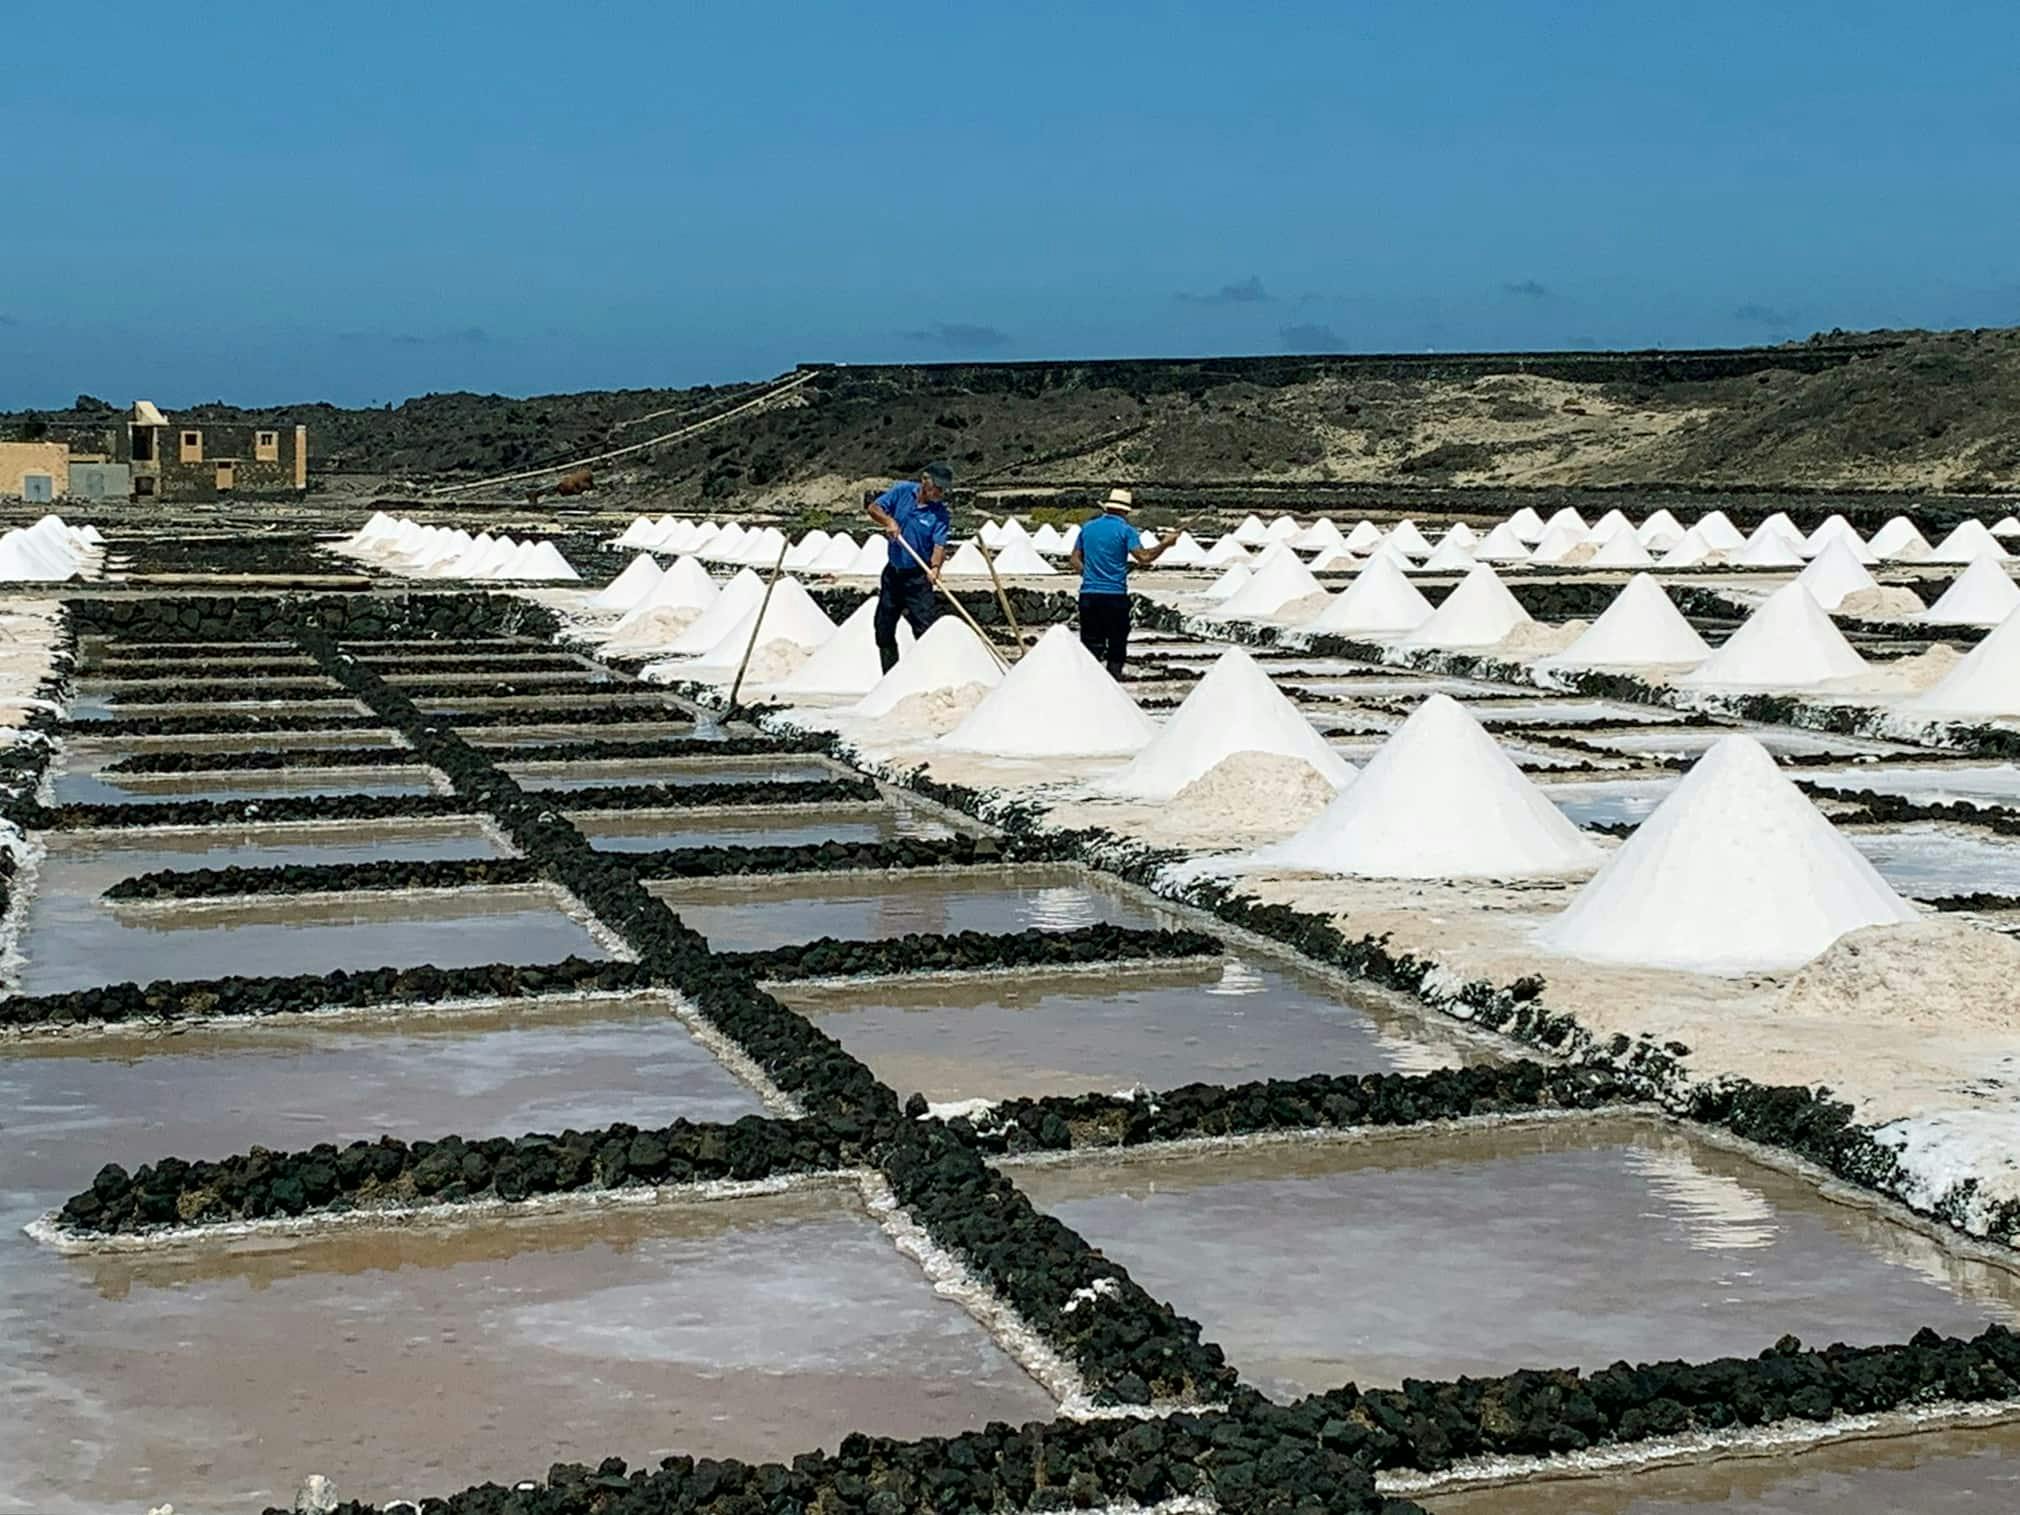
(1002, 595)
(756, 626)
(912, 552)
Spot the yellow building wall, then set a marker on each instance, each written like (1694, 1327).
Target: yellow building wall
(18, 458)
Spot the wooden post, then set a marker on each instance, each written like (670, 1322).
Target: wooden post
(1002, 595)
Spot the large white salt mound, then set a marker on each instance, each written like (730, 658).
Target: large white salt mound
(1622, 549)
(1365, 537)
(1690, 550)
(991, 534)
(684, 585)
(2005, 526)
(847, 662)
(625, 591)
(1502, 545)
(1837, 529)
(839, 556)
(1379, 602)
(1527, 525)
(20, 560)
(872, 558)
(1046, 540)
(948, 656)
(1641, 628)
(1789, 643)
(539, 560)
(1056, 702)
(1251, 532)
(1783, 525)
(1769, 548)
(1226, 550)
(1282, 529)
(1735, 872)
(1834, 573)
(1334, 560)
(966, 562)
(1986, 683)
(1461, 533)
(1900, 542)
(1274, 584)
(732, 603)
(1567, 517)
(1438, 800)
(1968, 540)
(1479, 613)
(803, 554)
(1183, 553)
(1558, 542)
(724, 545)
(1234, 708)
(1660, 531)
(1407, 539)
(1607, 526)
(1020, 557)
(1982, 595)
(790, 615)
(1719, 534)
(1321, 536)
(1941, 973)
(1230, 583)
(1449, 556)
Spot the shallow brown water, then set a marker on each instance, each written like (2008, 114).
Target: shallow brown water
(779, 912)
(1573, 1244)
(1077, 1033)
(1965, 1472)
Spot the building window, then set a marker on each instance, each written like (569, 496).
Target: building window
(192, 447)
(226, 476)
(144, 485)
(267, 446)
(143, 444)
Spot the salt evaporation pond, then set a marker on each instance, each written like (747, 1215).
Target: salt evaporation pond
(1226, 1022)
(1927, 860)
(75, 939)
(1974, 1471)
(1396, 688)
(90, 787)
(406, 1362)
(1571, 1243)
(1692, 741)
(96, 705)
(1988, 784)
(622, 831)
(765, 913)
(1560, 712)
(1609, 801)
(783, 770)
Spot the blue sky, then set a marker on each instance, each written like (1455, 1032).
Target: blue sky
(277, 203)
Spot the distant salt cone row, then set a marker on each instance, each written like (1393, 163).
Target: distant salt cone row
(403, 546)
(51, 552)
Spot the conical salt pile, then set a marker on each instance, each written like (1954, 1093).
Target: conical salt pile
(1276, 552)
(1013, 531)
(2005, 526)
(1070, 539)
(1984, 684)
(1615, 520)
(1659, 532)
(1527, 525)
(948, 656)
(1226, 550)
(1502, 545)
(538, 560)
(1438, 800)
(991, 534)
(1380, 602)
(1838, 529)
(1781, 522)
(732, 603)
(1365, 537)
(1461, 533)
(1479, 613)
(1020, 557)
(1274, 584)
(676, 602)
(1622, 549)
(1334, 560)
(872, 557)
(685, 585)
(1691, 550)
(1769, 548)
(965, 562)
(839, 556)
(1834, 573)
(1406, 538)
(1230, 583)
(807, 551)
(1900, 542)
(1282, 529)
(640, 533)
(790, 615)
(1234, 708)
(1449, 557)
(1056, 702)
(1251, 532)
(1641, 628)
(1719, 534)
(1969, 540)
(847, 662)
(1561, 539)
(1046, 540)
(1789, 643)
(724, 545)
(1982, 595)
(1735, 872)
(625, 591)
(1183, 553)
(764, 549)
(1321, 536)
(1567, 517)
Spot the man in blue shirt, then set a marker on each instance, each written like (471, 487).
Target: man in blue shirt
(1104, 553)
(912, 513)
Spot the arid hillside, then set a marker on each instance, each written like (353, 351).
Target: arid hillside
(1886, 410)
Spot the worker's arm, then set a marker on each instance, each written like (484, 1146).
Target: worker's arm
(1079, 563)
(939, 553)
(886, 522)
(1149, 555)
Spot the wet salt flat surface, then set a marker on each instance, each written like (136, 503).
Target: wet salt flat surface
(1409, 689)
(1692, 740)
(676, 724)
(1079, 1033)
(1991, 784)
(1927, 860)
(1552, 712)
(1483, 1252)
(781, 912)
(1609, 800)
(96, 705)
(541, 776)
(74, 939)
(1962, 1472)
(620, 832)
(92, 788)
(407, 1363)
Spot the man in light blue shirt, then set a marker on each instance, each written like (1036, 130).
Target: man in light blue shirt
(914, 515)
(1107, 548)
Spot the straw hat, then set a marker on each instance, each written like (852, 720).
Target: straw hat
(1119, 499)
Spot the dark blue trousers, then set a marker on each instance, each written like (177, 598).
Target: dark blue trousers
(905, 594)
